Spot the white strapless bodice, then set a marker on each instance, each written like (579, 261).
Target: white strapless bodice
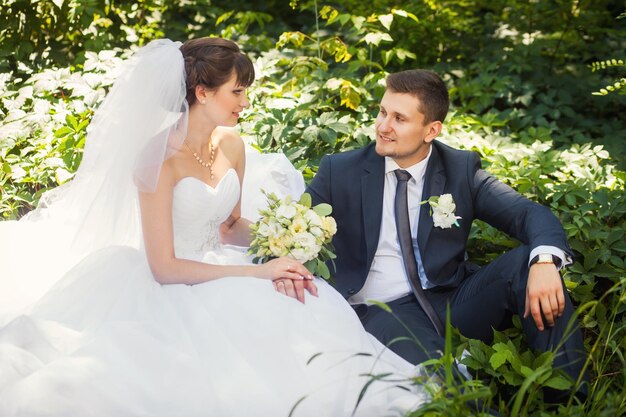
(198, 210)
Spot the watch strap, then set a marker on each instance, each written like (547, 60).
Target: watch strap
(546, 258)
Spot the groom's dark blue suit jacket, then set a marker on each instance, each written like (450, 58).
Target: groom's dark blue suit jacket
(352, 182)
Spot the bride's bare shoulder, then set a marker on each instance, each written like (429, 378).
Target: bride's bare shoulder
(173, 168)
(229, 141)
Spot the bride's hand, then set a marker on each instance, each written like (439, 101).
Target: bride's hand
(284, 267)
(289, 277)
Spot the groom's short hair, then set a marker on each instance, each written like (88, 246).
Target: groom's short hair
(427, 87)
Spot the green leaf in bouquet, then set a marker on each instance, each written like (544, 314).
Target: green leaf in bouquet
(311, 265)
(322, 270)
(305, 200)
(327, 253)
(323, 209)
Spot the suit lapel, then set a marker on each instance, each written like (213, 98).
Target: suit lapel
(434, 183)
(372, 186)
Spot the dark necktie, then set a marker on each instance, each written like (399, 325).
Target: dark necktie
(403, 226)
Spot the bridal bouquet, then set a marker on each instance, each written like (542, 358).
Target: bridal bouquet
(297, 230)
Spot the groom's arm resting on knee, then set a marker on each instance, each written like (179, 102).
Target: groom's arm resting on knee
(534, 225)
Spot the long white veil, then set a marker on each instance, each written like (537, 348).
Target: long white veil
(142, 121)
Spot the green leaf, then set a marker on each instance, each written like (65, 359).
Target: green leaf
(311, 265)
(322, 270)
(375, 38)
(605, 271)
(358, 21)
(349, 95)
(387, 55)
(570, 199)
(526, 371)
(310, 133)
(344, 18)
(72, 121)
(403, 54)
(305, 200)
(558, 382)
(404, 13)
(224, 17)
(323, 209)
(619, 246)
(498, 359)
(381, 305)
(329, 136)
(63, 131)
(386, 20)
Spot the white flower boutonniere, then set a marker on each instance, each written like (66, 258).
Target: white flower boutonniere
(442, 209)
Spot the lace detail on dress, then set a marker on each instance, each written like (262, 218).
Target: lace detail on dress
(211, 231)
(196, 242)
(197, 212)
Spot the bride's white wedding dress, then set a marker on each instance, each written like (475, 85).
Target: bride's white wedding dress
(107, 340)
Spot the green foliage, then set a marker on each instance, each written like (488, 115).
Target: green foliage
(617, 85)
(43, 33)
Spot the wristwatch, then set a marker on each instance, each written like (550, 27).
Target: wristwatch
(546, 258)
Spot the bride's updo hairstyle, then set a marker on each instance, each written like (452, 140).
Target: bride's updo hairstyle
(210, 62)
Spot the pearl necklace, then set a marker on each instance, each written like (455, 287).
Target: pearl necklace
(208, 164)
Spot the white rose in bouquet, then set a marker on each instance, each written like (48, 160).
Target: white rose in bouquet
(329, 225)
(285, 211)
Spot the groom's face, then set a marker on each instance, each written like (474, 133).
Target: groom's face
(401, 130)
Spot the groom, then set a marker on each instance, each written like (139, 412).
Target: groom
(412, 257)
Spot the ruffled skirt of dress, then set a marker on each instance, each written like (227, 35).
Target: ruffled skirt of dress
(96, 336)
(107, 340)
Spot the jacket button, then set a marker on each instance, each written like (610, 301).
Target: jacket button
(351, 291)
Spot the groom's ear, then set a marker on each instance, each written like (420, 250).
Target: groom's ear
(434, 129)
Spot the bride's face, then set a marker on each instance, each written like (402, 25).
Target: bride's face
(224, 105)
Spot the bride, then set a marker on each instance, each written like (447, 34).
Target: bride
(126, 298)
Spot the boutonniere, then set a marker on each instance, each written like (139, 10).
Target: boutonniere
(442, 209)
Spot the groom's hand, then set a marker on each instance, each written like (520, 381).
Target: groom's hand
(544, 293)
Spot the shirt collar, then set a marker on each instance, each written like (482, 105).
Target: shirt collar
(417, 171)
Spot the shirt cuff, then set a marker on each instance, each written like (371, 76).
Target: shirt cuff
(551, 250)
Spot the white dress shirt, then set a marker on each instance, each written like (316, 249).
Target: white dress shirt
(387, 279)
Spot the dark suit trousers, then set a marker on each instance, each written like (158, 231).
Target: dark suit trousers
(486, 299)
